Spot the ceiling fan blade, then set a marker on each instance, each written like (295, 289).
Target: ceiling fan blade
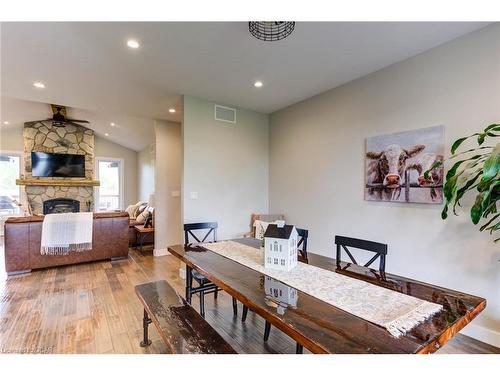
(73, 120)
(36, 122)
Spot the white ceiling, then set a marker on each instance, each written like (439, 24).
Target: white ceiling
(87, 65)
(132, 132)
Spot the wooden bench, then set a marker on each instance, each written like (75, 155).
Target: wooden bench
(180, 326)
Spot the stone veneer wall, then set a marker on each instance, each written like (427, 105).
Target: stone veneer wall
(68, 140)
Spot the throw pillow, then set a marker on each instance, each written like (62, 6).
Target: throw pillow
(261, 227)
(131, 210)
(140, 209)
(142, 217)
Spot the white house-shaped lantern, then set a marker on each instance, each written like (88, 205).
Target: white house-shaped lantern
(280, 247)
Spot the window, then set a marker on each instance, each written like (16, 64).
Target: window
(282, 262)
(109, 195)
(10, 169)
(275, 260)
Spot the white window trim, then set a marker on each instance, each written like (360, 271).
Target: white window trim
(122, 179)
(22, 193)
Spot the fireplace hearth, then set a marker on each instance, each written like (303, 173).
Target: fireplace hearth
(60, 205)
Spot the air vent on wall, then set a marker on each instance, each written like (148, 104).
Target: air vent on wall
(225, 114)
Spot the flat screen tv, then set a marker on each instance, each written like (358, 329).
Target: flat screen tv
(44, 164)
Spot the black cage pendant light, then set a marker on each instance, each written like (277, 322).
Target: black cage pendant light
(271, 30)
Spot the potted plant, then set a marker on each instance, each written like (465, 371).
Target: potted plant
(476, 172)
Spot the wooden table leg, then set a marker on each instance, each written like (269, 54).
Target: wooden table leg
(189, 283)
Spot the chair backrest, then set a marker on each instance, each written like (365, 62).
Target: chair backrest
(264, 217)
(302, 244)
(189, 228)
(380, 250)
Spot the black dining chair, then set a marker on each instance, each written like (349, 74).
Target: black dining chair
(205, 286)
(302, 244)
(380, 250)
(303, 234)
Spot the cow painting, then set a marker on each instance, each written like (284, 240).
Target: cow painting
(434, 179)
(396, 164)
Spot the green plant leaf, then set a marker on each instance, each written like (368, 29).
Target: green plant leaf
(476, 209)
(444, 213)
(457, 144)
(488, 195)
(494, 228)
(461, 192)
(453, 170)
(491, 165)
(492, 127)
(483, 227)
(491, 208)
(450, 187)
(471, 150)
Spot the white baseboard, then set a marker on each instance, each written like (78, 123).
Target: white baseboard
(482, 334)
(160, 252)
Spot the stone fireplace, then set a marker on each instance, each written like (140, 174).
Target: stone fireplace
(71, 139)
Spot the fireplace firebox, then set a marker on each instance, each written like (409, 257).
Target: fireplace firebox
(60, 205)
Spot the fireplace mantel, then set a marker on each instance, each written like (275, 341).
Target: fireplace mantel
(55, 182)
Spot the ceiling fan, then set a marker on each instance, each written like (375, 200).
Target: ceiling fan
(59, 119)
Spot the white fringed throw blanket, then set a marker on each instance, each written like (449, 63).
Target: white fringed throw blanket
(65, 232)
(397, 312)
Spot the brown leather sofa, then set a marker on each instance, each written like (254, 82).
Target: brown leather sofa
(23, 240)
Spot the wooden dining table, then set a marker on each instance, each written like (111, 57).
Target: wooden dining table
(323, 328)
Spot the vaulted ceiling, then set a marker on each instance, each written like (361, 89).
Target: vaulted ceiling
(87, 66)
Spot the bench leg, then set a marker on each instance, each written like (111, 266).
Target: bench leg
(244, 314)
(235, 306)
(267, 330)
(145, 324)
(299, 349)
(189, 284)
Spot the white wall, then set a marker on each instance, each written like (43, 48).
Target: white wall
(226, 164)
(11, 138)
(146, 173)
(167, 181)
(106, 149)
(317, 166)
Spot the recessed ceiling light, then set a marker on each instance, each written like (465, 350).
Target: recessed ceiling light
(258, 84)
(6, 123)
(106, 134)
(132, 43)
(39, 85)
(172, 110)
(112, 124)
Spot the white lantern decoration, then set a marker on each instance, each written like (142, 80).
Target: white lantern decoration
(280, 247)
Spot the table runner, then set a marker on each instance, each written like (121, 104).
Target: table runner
(396, 312)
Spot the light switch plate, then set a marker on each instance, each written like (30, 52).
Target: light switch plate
(193, 195)
(176, 193)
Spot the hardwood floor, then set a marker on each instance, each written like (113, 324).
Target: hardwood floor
(92, 308)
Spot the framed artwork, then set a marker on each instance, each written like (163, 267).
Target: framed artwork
(395, 165)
